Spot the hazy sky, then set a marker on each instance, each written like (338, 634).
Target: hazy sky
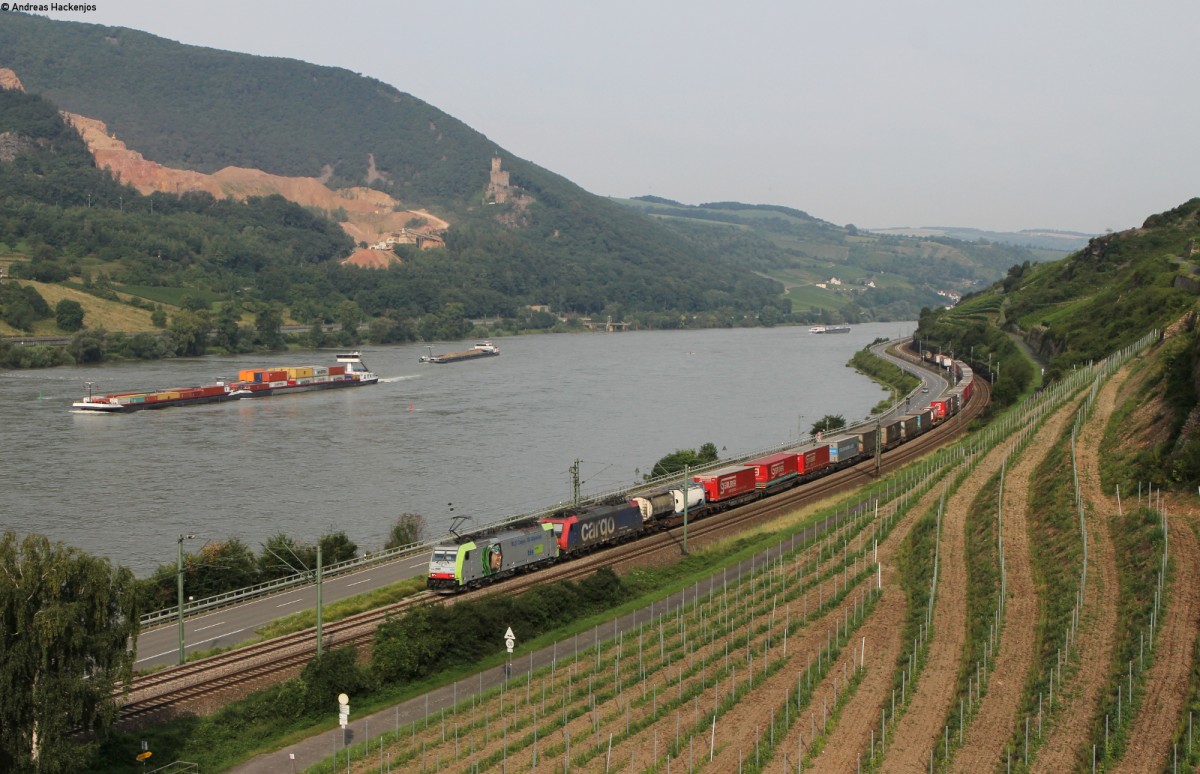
(1003, 115)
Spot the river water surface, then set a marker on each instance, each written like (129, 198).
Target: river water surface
(488, 438)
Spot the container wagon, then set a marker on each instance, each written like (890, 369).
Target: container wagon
(867, 441)
(664, 506)
(844, 450)
(774, 473)
(655, 505)
(891, 433)
(812, 460)
(488, 558)
(728, 487)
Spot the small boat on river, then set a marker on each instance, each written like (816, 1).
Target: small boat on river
(482, 349)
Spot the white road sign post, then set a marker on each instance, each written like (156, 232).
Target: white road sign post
(343, 710)
(510, 640)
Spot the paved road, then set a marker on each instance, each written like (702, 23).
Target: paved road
(233, 625)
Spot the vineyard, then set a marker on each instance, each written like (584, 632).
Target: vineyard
(990, 608)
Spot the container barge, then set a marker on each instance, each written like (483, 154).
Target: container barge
(251, 383)
(482, 349)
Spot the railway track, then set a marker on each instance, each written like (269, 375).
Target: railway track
(202, 684)
(163, 691)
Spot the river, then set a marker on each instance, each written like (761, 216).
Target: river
(484, 439)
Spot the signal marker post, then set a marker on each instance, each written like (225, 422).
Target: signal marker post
(343, 715)
(510, 640)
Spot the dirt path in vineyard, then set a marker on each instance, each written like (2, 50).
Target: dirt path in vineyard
(921, 725)
(1167, 684)
(1097, 632)
(994, 723)
(860, 716)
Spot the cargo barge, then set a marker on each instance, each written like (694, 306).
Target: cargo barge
(251, 383)
(482, 349)
(829, 329)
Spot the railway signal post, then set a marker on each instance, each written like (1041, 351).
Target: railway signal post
(179, 586)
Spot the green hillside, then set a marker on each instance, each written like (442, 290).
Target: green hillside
(550, 243)
(801, 251)
(204, 109)
(1061, 315)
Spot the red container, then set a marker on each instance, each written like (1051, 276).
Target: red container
(811, 460)
(337, 370)
(773, 468)
(939, 408)
(276, 376)
(726, 483)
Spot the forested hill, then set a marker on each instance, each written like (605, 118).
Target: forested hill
(879, 276)
(546, 242)
(199, 108)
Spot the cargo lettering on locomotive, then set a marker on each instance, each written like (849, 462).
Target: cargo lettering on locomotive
(598, 529)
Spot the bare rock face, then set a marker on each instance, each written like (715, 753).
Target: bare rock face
(9, 80)
(371, 215)
(366, 214)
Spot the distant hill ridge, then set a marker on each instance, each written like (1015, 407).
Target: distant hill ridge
(1046, 238)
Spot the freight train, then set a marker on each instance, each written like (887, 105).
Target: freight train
(492, 555)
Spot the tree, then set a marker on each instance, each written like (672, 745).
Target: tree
(337, 547)
(316, 335)
(228, 333)
(827, 423)
(88, 346)
(268, 325)
(349, 315)
(194, 303)
(190, 330)
(68, 617)
(68, 315)
(283, 556)
(676, 460)
(406, 531)
(219, 566)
